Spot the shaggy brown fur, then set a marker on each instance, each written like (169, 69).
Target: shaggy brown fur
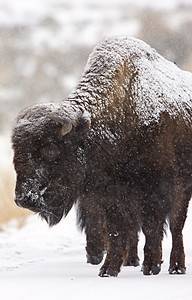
(120, 148)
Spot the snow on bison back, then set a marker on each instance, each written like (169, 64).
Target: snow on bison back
(120, 147)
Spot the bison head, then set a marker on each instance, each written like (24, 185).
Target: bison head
(48, 144)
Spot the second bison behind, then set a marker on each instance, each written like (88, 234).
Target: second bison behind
(120, 147)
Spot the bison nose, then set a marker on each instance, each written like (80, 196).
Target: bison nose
(22, 202)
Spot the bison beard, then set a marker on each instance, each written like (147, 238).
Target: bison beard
(120, 148)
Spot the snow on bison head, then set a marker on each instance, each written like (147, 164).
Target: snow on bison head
(49, 159)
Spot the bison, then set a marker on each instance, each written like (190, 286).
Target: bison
(120, 148)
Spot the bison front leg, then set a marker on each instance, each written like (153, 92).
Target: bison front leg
(95, 248)
(97, 243)
(153, 249)
(116, 253)
(117, 242)
(90, 218)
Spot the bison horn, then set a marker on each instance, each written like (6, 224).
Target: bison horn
(65, 122)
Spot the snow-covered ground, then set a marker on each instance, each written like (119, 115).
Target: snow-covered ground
(42, 263)
(37, 262)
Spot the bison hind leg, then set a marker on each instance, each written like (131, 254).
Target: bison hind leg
(94, 260)
(131, 262)
(108, 273)
(149, 271)
(177, 269)
(132, 258)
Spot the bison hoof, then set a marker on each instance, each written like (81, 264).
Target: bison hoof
(150, 271)
(156, 270)
(176, 269)
(94, 260)
(131, 262)
(108, 273)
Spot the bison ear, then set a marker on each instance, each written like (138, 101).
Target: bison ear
(65, 122)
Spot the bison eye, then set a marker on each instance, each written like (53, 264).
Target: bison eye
(50, 152)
